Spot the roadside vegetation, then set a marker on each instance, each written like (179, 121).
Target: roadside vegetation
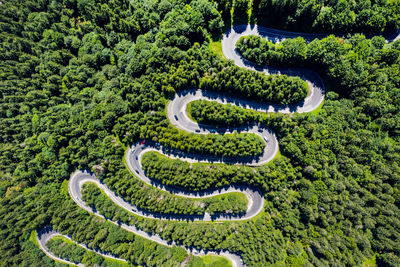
(65, 249)
(199, 176)
(229, 145)
(215, 46)
(160, 202)
(210, 261)
(214, 113)
(255, 85)
(352, 63)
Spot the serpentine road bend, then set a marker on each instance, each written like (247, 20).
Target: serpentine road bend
(79, 178)
(178, 117)
(44, 235)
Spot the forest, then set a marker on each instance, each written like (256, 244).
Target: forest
(80, 80)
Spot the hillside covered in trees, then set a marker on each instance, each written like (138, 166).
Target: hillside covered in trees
(80, 80)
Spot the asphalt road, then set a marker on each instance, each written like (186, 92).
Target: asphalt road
(178, 117)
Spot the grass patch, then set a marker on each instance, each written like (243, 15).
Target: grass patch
(216, 261)
(33, 238)
(115, 263)
(209, 261)
(371, 262)
(250, 11)
(189, 111)
(64, 188)
(277, 156)
(316, 111)
(216, 47)
(66, 240)
(307, 88)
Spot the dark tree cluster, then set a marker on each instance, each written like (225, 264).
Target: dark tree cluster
(329, 16)
(214, 113)
(255, 85)
(200, 176)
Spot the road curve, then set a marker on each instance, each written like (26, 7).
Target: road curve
(44, 235)
(315, 84)
(177, 114)
(79, 178)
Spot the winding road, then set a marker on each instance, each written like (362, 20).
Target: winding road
(79, 178)
(177, 114)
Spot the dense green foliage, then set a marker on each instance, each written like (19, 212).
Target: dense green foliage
(214, 113)
(112, 239)
(230, 145)
(255, 85)
(80, 77)
(290, 51)
(199, 176)
(68, 250)
(354, 141)
(329, 16)
(199, 235)
(164, 203)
